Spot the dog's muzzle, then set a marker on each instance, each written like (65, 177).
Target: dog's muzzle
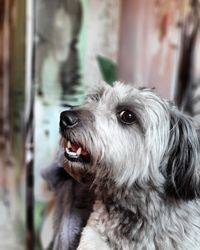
(74, 151)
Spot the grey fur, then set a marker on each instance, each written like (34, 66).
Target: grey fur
(72, 205)
(146, 175)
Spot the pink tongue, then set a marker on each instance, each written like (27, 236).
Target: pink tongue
(74, 147)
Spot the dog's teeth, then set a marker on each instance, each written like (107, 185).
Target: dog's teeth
(72, 154)
(78, 152)
(68, 144)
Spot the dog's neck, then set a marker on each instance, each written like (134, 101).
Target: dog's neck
(144, 199)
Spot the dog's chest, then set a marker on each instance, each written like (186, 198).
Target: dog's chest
(119, 227)
(125, 229)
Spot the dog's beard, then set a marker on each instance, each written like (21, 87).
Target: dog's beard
(77, 158)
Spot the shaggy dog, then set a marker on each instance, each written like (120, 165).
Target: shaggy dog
(142, 157)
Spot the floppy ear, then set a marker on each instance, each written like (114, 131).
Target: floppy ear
(183, 164)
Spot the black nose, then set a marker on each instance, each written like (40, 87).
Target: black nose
(68, 119)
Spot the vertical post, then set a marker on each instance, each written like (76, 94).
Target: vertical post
(29, 120)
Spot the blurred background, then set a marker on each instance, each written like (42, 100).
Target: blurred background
(50, 51)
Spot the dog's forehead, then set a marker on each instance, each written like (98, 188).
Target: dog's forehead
(125, 93)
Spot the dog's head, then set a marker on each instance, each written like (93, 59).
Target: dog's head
(128, 135)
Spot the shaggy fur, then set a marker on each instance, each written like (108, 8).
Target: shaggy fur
(72, 205)
(145, 174)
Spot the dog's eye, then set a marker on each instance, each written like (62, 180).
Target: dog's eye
(127, 117)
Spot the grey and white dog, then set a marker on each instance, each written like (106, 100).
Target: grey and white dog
(142, 157)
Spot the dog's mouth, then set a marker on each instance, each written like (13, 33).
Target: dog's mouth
(75, 152)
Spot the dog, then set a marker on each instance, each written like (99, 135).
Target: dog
(141, 155)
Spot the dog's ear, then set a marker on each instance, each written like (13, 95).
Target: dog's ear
(183, 158)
